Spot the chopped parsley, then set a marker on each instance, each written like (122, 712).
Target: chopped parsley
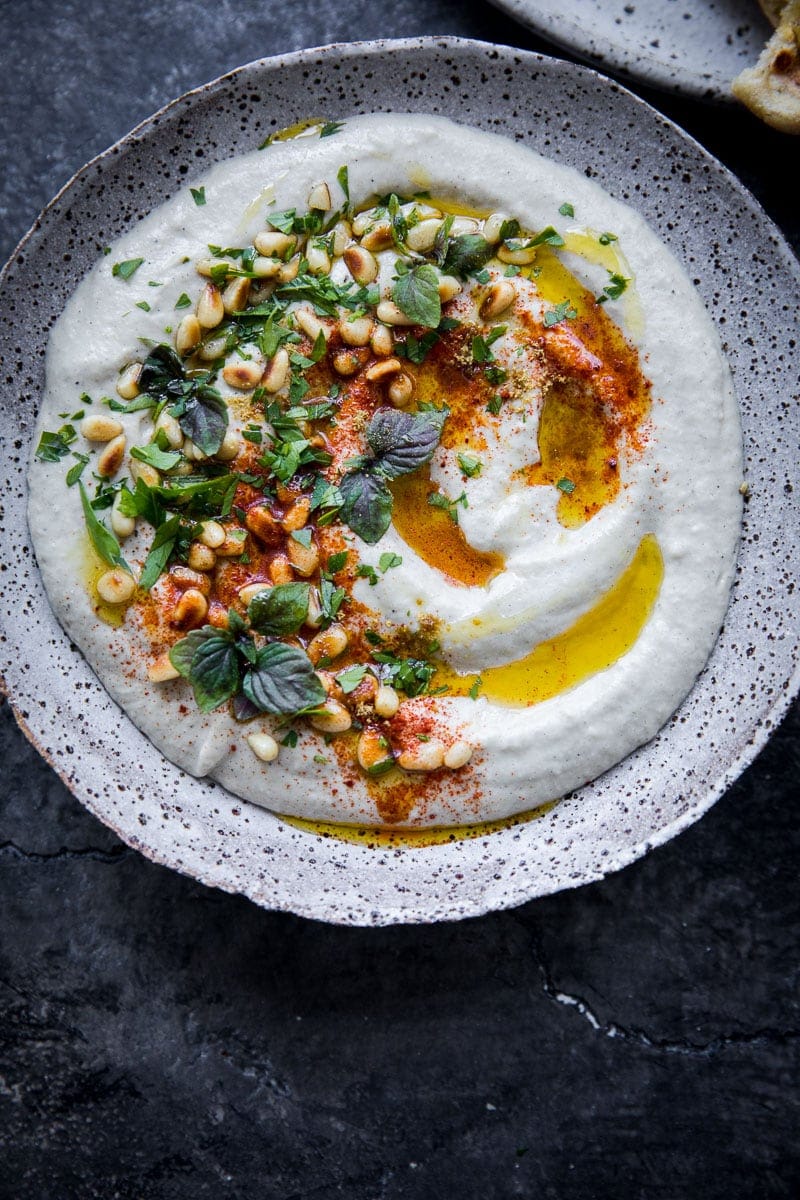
(124, 270)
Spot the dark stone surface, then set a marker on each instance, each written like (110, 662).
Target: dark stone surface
(636, 1038)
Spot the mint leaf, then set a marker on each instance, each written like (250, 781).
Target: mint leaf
(465, 253)
(207, 657)
(55, 446)
(282, 680)
(416, 293)
(280, 611)
(366, 505)
(203, 417)
(103, 540)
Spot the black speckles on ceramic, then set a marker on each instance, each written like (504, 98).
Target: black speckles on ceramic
(695, 47)
(723, 237)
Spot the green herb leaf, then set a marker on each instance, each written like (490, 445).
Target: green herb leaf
(207, 657)
(388, 560)
(280, 611)
(349, 679)
(466, 253)
(547, 237)
(203, 417)
(566, 486)
(470, 465)
(162, 460)
(404, 441)
(476, 687)
(143, 305)
(366, 505)
(331, 127)
(344, 183)
(606, 239)
(55, 446)
(161, 548)
(416, 293)
(616, 285)
(77, 469)
(481, 346)
(439, 500)
(183, 301)
(561, 312)
(103, 540)
(199, 196)
(124, 270)
(566, 209)
(365, 571)
(283, 680)
(337, 561)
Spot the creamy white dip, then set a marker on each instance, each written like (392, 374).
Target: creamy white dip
(684, 488)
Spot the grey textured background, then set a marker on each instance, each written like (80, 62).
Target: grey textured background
(636, 1038)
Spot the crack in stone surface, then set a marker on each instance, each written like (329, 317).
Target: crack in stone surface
(117, 854)
(637, 1036)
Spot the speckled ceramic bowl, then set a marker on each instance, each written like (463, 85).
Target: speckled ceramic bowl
(695, 47)
(725, 240)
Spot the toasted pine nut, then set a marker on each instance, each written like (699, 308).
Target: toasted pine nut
(242, 374)
(388, 312)
(266, 268)
(234, 298)
(522, 257)
(289, 270)
(212, 534)
(346, 362)
(342, 233)
(499, 297)
(386, 701)
(201, 558)
(263, 525)
(463, 225)
(422, 236)
(378, 237)
(327, 680)
(373, 750)
(145, 472)
(330, 643)
(186, 578)
(123, 526)
(263, 746)
(128, 382)
(457, 755)
(160, 670)
(110, 460)
(273, 244)
(280, 570)
(361, 264)
(401, 390)
(425, 756)
(100, 428)
(250, 590)
(334, 717)
(193, 453)
(116, 586)
(492, 227)
(188, 335)
(382, 341)
(233, 545)
(230, 446)
(362, 221)
(449, 287)
(304, 559)
(190, 609)
(356, 332)
(210, 309)
(318, 259)
(214, 347)
(310, 323)
(217, 615)
(296, 516)
(314, 615)
(171, 430)
(184, 467)
(320, 197)
(277, 372)
(208, 267)
(382, 370)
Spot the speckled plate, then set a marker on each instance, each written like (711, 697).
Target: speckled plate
(695, 47)
(727, 243)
